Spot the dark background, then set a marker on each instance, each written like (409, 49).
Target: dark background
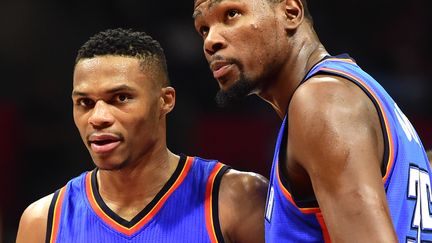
(40, 149)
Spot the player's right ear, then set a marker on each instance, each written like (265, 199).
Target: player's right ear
(167, 100)
(294, 13)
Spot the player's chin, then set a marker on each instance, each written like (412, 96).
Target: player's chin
(229, 79)
(108, 163)
(110, 167)
(227, 82)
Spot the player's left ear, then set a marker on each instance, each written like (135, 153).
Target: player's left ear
(294, 13)
(167, 100)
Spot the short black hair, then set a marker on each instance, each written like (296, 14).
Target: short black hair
(128, 43)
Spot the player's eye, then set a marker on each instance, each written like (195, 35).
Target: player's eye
(85, 102)
(203, 30)
(122, 98)
(232, 13)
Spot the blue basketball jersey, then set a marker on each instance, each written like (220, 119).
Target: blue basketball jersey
(406, 171)
(184, 210)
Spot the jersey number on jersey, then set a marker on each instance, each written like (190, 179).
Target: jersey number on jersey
(419, 189)
(270, 204)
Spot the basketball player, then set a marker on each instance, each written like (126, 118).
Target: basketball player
(139, 190)
(348, 165)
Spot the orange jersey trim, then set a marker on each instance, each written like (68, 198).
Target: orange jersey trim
(326, 235)
(209, 203)
(316, 211)
(130, 231)
(288, 196)
(56, 216)
(390, 160)
(337, 60)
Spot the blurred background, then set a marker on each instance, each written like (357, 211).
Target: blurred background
(40, 149)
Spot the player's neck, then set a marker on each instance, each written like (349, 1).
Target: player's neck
(129, 190)
(305, 52)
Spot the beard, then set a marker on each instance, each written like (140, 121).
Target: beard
(240, 89)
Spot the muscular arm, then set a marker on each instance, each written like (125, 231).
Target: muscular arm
(242, 199)
(335, 135)
(33, 223)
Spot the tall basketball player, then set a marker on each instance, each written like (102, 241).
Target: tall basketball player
(348, 165)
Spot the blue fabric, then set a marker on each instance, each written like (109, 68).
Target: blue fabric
(406, 182)
(180, 219)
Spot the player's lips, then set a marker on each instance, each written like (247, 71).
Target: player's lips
(220, 68)
(104, 143)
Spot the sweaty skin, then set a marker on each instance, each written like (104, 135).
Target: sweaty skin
(120, 114)
(335, 142)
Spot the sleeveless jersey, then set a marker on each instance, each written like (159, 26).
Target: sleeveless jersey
(406, 171)
(184, 210)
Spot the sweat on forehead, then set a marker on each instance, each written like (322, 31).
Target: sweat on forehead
(211, 2)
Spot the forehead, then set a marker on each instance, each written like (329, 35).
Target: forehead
(210, 2)
(109, 63)
(109, 70)
(204, 7)
(200, 5)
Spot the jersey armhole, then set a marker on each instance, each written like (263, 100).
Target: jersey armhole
(54, 215)
(213, 209)
(309, 202)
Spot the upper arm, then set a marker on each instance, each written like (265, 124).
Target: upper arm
(334, 133)
(242, 198)
(33, 223)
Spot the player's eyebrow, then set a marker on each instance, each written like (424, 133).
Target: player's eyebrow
(197, 13)
(113, 90)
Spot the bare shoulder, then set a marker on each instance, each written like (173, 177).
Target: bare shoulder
(324, 91)
(327, 112)
(33, 223)
(240, 184)
(325, 102)
(242, 192)
(242, 197)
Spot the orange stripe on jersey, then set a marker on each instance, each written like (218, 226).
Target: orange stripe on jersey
(209, 203)
(389, 135)
(316, 211)
(130, 231)
(336, 59)
(288, 196)
(326, 235)
(56, 216)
